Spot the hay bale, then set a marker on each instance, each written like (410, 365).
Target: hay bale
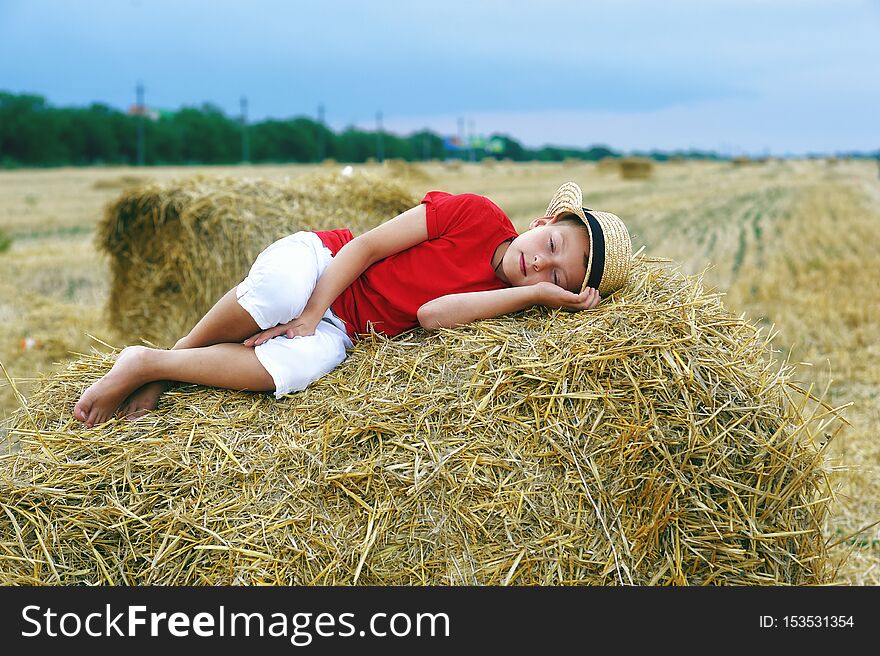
(744, 160)
(121, 182)
(176, 248)
(636, 168)
(407, 172)
(649, 441)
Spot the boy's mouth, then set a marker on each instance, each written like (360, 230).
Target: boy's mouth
(522, 263)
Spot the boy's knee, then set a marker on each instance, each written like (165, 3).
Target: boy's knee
(274, 303)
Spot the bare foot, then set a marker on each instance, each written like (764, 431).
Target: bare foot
(143, 399)
(100, 401)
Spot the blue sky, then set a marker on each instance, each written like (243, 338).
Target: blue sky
(737, 76)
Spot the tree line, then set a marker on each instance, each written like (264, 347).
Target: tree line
(33, 133)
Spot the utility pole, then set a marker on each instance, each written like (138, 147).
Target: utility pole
(245, 154)
(321, 147)
(471, 140)
(461, 133)
(141, 110)
(380, 155)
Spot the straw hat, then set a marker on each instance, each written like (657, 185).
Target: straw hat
(610, 245)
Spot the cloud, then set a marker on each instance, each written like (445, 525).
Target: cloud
(747, 72)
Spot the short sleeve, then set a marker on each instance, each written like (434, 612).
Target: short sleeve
(431, 201)
(446, 213)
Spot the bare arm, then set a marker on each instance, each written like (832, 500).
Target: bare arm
(355, 257)
(459, 309)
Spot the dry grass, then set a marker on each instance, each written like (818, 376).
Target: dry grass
(760, 227)
(653, 441)
(406, 172)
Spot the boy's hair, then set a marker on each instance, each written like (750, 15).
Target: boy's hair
(572, 219)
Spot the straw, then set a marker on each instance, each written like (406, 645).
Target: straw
(654, 440)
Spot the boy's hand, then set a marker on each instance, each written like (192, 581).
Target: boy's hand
(302, 326)
(554, 296)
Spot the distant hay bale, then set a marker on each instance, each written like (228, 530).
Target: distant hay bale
(608, 165)
(407, 172)
(571, 162)
(651, 441)
(176, 248)
(636, 168)
(120, 182)
(453, 165)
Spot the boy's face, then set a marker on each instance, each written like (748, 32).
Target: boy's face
(548, 252)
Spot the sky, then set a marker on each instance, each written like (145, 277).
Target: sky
(762, 77)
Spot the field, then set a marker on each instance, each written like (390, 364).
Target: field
(792, 244)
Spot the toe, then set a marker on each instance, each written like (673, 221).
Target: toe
(93, 418)
(81, 410)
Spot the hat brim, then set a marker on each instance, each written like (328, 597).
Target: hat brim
(607, 233)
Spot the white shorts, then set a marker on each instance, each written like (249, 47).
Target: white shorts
(275, 291)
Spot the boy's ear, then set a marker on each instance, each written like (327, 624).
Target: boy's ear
(541, 221)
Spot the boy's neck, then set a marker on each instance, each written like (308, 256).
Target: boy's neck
(498, 258)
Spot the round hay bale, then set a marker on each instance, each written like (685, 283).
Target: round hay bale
(176, 248)
(120, 182)
(650, 441)
(636, 168)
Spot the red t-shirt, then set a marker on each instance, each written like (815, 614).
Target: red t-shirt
(463, 233)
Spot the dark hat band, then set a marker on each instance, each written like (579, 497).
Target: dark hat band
(598, 248)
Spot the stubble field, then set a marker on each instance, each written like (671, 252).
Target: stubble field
(792, 244)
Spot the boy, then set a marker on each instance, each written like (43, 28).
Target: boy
(449, 261)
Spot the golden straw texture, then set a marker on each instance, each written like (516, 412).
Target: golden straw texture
(618, 253)
(651, 441)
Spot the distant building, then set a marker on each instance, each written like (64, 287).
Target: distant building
(143, 110)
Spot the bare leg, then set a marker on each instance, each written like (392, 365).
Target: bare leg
(232, 366)
(226, 322)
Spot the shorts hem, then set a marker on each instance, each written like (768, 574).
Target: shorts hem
(246, 305)
(268, 365)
